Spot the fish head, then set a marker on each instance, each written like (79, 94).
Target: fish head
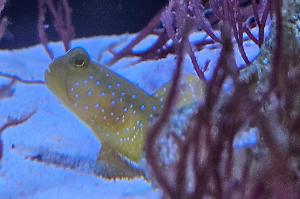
(63, 71)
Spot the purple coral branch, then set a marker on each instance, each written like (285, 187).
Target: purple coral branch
(203, 23)
(176, 12)
(7, 90)
(2, 4)
(19, 79)
(206, 156)
(266, 12)
(143, 34)
(41, 28)
(62, 21)
(154, 132)
(236, 24)
(4, 20)
(14, 122)
(11, 123)
(261, 22)
(279, 68)
(3, 26)
(61, 15)
(195, 62)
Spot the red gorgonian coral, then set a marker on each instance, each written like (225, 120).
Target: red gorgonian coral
(207, 165)
(205, 15)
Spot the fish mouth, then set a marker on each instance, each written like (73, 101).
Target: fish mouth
(50, 67)
(47, 74)
(48, 70)
(51, 71)
(51, 74)
(54, 82)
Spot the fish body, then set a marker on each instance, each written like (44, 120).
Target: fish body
(115, 109)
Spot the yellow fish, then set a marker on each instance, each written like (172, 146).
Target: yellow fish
(115, 109)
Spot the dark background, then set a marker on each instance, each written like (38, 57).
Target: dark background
(89, 17)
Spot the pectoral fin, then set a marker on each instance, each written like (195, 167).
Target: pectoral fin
(114, 166)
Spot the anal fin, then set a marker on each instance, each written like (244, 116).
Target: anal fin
(114, 167)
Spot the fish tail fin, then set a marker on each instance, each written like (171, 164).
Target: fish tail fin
(114, 167)
(191, 89)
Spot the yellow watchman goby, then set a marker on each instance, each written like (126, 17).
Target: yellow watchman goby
(115, 109)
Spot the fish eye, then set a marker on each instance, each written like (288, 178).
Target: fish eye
(79, 61)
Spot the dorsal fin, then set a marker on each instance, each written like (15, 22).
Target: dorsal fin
(191, 89)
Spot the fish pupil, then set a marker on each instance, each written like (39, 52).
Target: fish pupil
(79, 61)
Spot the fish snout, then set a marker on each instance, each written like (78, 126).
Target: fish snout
(54, 71)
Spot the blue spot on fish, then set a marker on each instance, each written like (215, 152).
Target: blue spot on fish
(143, 107)
(89, 93)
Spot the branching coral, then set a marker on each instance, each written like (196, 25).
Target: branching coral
(11, 122)
(19, 79)
(204, 15)
(7, 91)
(207, 165)
(61, 17)
(4, 21)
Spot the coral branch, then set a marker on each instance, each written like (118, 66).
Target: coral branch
(4, 20)
(41, 28)
(156, 129)
(7, 90)
(206, 155)
(2, 4)
(146, 31)
(206, 16)
(19, 79)
(61, 15)
(11, 122)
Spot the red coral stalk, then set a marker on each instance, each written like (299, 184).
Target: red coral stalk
(206, 157)
(4, 20)
(7, 91)
(61, 15)
(154, 132)
(204, 15)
